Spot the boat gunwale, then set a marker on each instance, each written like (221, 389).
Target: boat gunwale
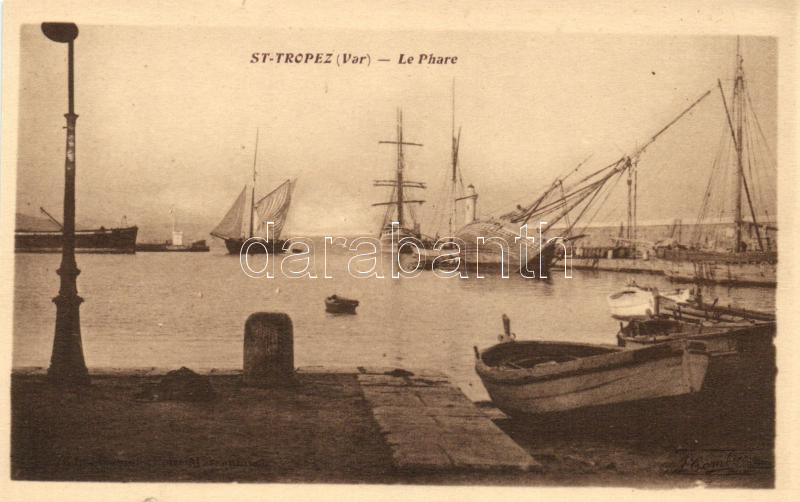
(738, 330)
(620, 358)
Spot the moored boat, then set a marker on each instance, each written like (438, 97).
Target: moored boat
(539, 377)
(335, 304)
(632, 303)
(720, 338)
(638, 303)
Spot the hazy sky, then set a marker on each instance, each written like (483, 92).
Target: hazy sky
(168, 117)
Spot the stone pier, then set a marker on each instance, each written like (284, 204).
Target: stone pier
(430, 425)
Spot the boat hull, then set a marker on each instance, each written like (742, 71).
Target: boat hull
(340, 306)
(195, 247)
(657, 372)
(748, 269)
(234, 246)
(732, 349)
(632, 303)
(102, 240)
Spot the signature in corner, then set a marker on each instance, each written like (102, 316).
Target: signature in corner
(722, 461)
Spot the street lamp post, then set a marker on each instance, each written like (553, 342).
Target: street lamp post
(67, 365)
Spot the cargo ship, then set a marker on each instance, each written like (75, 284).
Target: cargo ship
(37, 235)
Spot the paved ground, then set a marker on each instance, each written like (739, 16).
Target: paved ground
(430, 425)
(366, 426)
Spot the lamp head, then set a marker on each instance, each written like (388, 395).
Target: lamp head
(60, 32)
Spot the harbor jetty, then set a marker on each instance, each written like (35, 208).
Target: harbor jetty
(270, 422)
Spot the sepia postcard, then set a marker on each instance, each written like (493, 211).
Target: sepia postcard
(442, 251)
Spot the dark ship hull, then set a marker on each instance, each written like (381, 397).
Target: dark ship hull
(101, 240)
(260, 246)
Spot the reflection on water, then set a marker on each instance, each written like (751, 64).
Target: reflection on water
(173, 309)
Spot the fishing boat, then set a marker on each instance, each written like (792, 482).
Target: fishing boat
(750, 258)
(635, 302)
(541, 377)
(734, 238)
(400, 209)
(726, 331)
(266, 219)
(335, 304)
(35, 235)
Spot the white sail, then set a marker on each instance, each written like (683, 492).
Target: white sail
(274, 207)
(231, 225)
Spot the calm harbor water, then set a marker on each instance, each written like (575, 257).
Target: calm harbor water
(188, 309)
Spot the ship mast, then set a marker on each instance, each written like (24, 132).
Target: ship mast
(253, 189)
(399, 176)
(454, 173)
(736, 132)
(737, 113)
(399, 182)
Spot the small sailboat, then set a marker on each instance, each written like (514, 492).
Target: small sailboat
(540, 377)
(267, 217)
(335, 304)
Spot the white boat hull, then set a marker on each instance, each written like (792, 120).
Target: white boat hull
(632, 303)
(680, 372)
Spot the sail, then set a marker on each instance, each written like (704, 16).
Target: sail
(274, 208)
(231, 225)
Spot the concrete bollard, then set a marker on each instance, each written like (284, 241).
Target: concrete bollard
(268, 350)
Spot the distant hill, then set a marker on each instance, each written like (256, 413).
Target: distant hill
(35, 224)
(42, 224)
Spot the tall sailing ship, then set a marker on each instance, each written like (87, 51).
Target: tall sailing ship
(399, 208)
(456, 209)
(266, 219)
(568, 212)
(560, 216)
(751, 258)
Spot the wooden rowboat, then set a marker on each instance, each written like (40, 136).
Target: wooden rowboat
(339, 305)
(538, 377)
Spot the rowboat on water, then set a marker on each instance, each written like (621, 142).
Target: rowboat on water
(539, 377)
(339, 305)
